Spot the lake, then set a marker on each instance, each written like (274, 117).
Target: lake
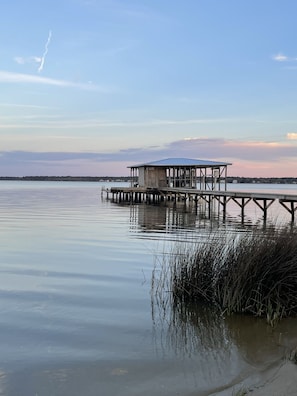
(76, 313)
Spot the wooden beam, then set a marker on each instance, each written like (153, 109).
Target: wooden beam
(265, 205)
(291, 209)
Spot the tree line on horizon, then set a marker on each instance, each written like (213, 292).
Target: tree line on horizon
(230, 179)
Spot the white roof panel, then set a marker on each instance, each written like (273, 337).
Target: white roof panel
(173, 162)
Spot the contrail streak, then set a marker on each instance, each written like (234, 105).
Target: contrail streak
(45, 51)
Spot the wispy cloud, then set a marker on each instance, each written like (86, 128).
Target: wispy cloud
(40, 60)
(9, 77)
(86, 122)
(22, 105)
(280, 57)
(227, 148)
(292, 135)
(45, 52)
(284, 58)
(20, 60)
(31, 59)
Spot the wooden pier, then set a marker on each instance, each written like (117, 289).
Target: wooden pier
(158, 195)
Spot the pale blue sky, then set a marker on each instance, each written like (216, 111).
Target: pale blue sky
(88, 87)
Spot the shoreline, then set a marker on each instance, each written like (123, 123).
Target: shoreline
(112, 179)
(278, 381)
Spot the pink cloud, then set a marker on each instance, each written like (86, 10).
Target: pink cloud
(292, 136)
(254, 158)
(227, 149)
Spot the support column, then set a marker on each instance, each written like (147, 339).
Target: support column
(242, 204)
(266, 204)
(291, 209)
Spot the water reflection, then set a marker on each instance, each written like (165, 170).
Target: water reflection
(75, 315)
(170, 219)
(3, 380)
(259, 343)
(152, 218)
(199, 335)
(148, 221)
(190, 330)
(235, 346)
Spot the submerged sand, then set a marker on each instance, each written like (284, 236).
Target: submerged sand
(278, 381)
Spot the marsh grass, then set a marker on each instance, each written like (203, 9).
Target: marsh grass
(252, 272)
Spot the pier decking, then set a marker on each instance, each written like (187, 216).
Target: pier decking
(157, 195)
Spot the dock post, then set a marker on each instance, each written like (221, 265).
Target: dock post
(224, 204)
(209, 206)
(242, 209)
(292, 209)
(196, 203)
(265, 205)
(265, 210)
(244, 201)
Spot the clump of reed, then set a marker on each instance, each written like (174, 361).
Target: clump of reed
(250, 272)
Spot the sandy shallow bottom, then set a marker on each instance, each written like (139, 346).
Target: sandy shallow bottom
(278, 380)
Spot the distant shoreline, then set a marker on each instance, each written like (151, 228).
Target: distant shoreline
(121, 179)
(69, 178)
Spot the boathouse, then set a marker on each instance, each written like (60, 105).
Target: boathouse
(180, 173)
(193, 180)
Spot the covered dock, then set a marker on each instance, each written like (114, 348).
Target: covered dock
(193, 180)
(180, 173)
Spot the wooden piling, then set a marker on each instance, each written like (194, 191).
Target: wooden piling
(162, 195)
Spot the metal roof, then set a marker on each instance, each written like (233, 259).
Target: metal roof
(175, 162)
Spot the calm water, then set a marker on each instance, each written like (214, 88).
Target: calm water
(76, 314)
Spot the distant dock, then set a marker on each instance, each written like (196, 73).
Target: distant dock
(158, 195)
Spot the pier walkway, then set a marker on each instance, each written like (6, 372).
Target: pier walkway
(157, 195)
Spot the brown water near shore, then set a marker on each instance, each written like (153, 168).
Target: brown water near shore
(251, 354)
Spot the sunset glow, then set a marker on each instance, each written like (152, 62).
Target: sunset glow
(119, 83)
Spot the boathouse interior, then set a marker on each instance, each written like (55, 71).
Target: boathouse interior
(180, 173)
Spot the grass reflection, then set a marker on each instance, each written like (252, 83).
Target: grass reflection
(189, 330)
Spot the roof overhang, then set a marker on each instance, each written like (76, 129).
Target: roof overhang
(182, 162)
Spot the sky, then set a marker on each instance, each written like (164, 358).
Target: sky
(90, 87)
